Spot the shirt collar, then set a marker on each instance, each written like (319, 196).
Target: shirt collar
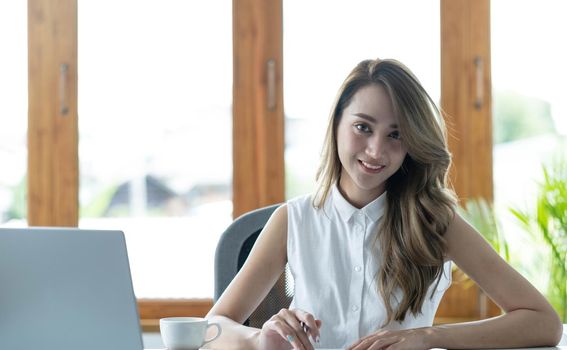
(373, 210)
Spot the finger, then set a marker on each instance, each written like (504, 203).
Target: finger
(294, 323)
(312, 324)
(296, 343)
(374, 341)
(383, 343)
(394, 346)
(369, 338)
(360, 341)
(280, 326)
(310, 332)
(354, 345)
(362, 344)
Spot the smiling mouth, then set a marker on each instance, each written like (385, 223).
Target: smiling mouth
(371, 167)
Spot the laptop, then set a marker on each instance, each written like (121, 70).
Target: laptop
(66, 289)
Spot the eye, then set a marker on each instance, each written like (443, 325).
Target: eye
(362, 127)
(395, 135)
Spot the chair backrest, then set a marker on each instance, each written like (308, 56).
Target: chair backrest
(232, 250)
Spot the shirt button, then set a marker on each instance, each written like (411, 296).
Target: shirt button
(354, 308)
(357, 268)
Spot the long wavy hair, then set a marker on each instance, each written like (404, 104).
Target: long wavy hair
(419, 203)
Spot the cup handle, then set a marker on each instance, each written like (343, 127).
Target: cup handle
(219, 331)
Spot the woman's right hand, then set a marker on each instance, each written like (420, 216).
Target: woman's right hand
(290, 329)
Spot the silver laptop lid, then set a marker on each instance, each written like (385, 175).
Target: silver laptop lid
(66, 289)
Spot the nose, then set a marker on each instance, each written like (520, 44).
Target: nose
(375, 146)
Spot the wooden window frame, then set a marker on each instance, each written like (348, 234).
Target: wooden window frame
(258, 119)
(53, 163)
(466, 102)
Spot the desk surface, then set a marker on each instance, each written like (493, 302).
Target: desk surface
(554, 348)
(151, 340)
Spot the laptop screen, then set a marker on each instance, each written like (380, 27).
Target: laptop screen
(66, 289)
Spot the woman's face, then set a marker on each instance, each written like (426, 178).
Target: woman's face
(369, 145)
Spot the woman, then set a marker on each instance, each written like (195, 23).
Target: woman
(370, 251)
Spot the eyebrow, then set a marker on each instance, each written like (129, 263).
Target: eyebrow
(372, 119)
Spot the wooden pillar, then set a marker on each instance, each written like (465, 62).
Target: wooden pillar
(466, 94)
(466, 100)
(52, 119)
(258, 118)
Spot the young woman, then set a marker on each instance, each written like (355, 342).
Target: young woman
(370, 252)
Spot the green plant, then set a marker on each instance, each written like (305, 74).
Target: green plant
(482, 216)
(549, 222)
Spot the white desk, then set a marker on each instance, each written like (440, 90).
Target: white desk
(152, 341)
(555, 348)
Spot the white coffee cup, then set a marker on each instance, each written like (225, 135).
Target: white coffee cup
(186, 333)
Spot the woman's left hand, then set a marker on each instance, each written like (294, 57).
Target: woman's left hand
(392, 340)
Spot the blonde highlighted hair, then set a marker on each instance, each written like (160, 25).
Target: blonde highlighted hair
(419, 204)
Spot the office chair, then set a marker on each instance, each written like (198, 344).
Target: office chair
(232, 251)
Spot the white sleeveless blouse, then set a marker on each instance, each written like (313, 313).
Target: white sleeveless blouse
(331, 259)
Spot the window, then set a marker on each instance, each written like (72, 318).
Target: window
(114, 82)
(13, 112)
(529, 112)
(155, 130)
